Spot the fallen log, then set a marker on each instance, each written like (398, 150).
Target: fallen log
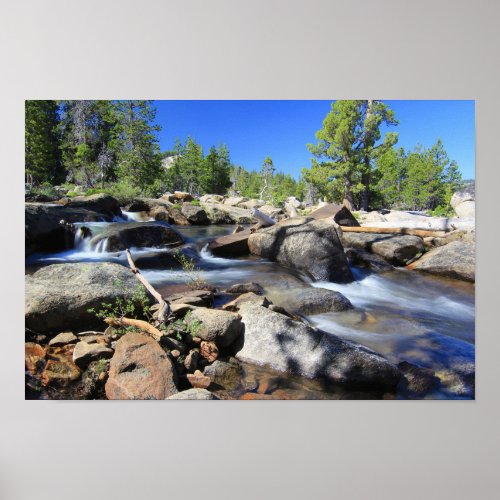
(395, 230)
(164, 310)
(137, 323)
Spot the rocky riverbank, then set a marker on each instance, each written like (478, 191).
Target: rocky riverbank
(217, 338)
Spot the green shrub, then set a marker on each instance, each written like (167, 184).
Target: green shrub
(177, 206)
(442, 211)
(123, 192)
(196, 203)
(92, 191)
(71, 194)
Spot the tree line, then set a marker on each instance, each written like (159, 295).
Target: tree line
(355, 166)
(114, 146)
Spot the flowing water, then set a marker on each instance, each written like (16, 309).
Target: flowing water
(403, 315)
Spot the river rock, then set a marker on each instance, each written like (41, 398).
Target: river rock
(34, 357)
(198, 380)
(231, 245)
(466, 210)
(212, 198)
(371, 261)
(84, 353)
(233, 201)
(454, 260)
(192, 359)
(177, 217)
(227, 375)
(235, 304)
(468, 193)
(213, 325)
(417, 380)
(189, 296)
(103, 203)
(195, 214)
(219, 213)
(57, 297)
(245, 288)
(282, 344)
(398, 250)
(183, 196)
(191, 394)
(310, 246)
(147, 205)
(253, 203)
(119, 236)
(140, 369)
(60, 369)
(43, 231)
(63, 339)
(309, 301)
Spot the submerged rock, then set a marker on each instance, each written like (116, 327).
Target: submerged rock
(118, 236)
(454, 260)
(58, 297)
(226, 375)
(246, 288)
(311, 246)
(276, 341)
(309, 301)
(140, 369)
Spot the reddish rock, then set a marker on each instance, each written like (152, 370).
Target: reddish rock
(209, 351)
(60, 369)
(181, 195)
(198, 380)
(140, 369)
(34, 357)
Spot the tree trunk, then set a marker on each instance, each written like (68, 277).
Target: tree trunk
(348, 201)
(365, 178)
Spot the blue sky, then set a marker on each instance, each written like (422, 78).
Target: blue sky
(253, 130)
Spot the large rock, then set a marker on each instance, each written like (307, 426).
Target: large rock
(98, 202)
(175, 216)
(397, 250)
(274, 340)
(45, 233)
(214, 325)
(309, 301)
(455, 260)
(231, 245)
(227, 375)
(58, 297)
(219, 213)
(140, 369)
(466, 210)
(119, 236)
(310, 246)
(195, 214)
(147, 205)
(468, 193)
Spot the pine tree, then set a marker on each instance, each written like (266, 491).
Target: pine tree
(136, 143)
(266, 172)
(42, 156)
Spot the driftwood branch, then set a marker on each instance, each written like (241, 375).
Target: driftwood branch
(138, 323)
(164, 309)
(263, 219)
(395, 230)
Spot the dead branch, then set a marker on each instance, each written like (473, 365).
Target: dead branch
(138, 323)
(164, 310)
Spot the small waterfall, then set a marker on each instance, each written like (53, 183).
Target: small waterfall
(82, 239)
(102, 246)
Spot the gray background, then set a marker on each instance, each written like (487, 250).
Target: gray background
(248, 50)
